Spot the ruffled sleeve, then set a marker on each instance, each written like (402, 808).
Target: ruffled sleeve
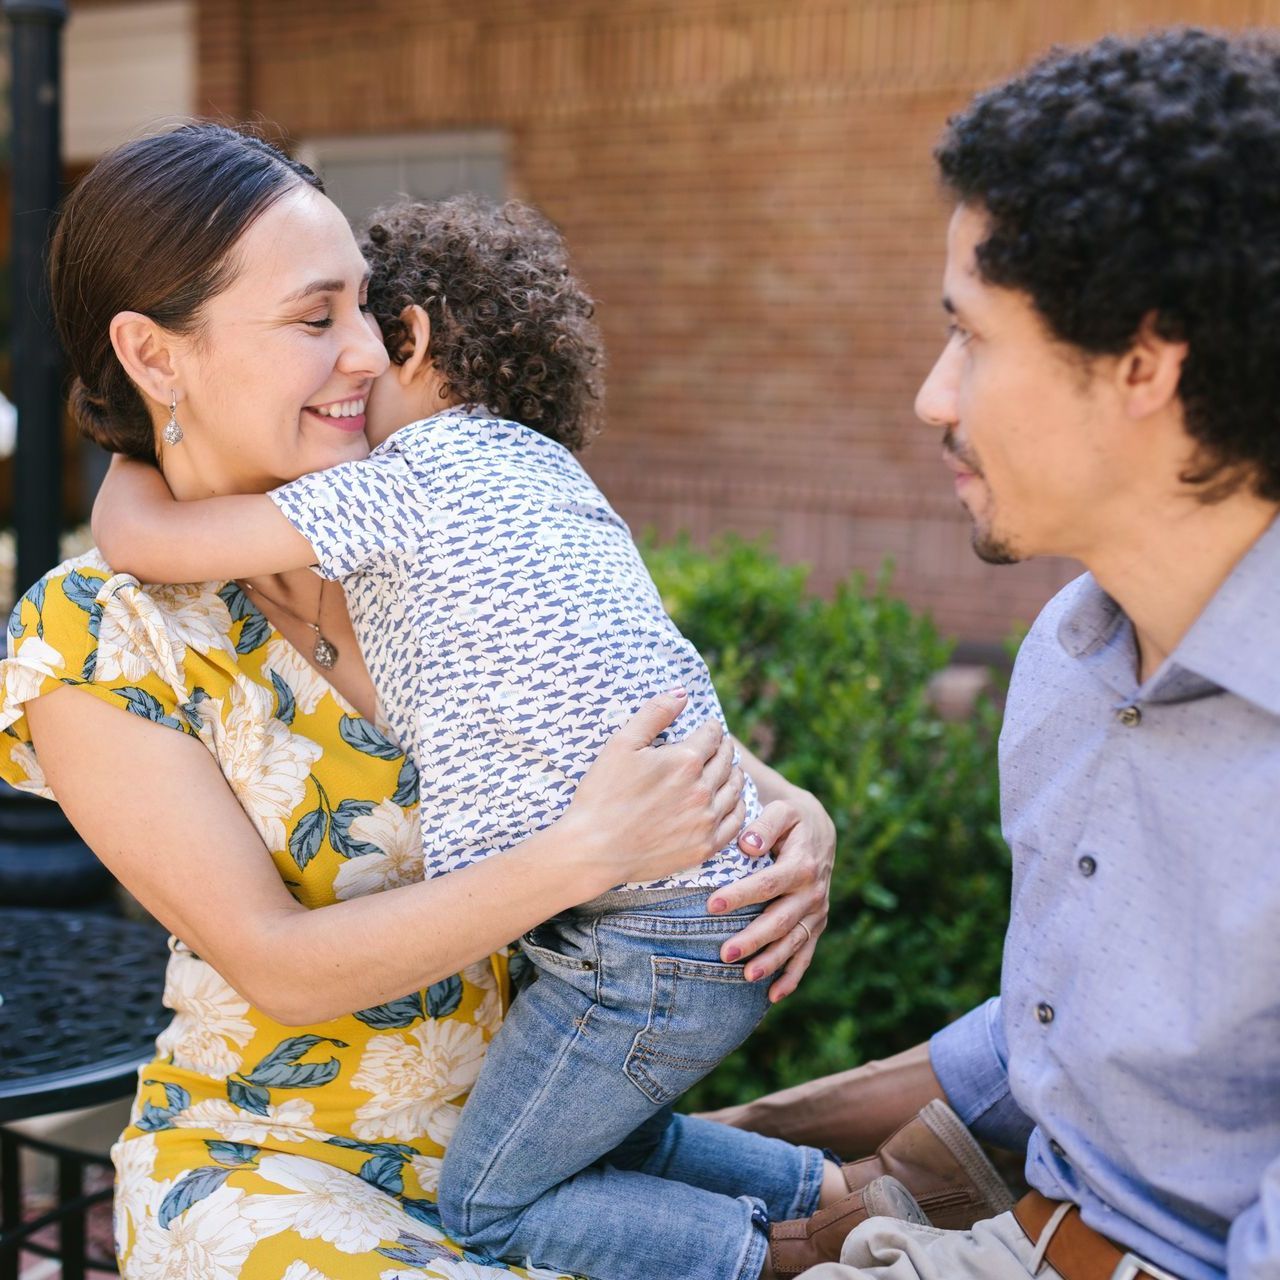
(82, 625)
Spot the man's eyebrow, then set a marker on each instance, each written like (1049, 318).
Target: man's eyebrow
(324, 286)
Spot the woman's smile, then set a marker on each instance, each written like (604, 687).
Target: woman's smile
(346, 415)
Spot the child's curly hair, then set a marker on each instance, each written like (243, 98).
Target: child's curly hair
(511, 326)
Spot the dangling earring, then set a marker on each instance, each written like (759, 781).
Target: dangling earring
(172, 431)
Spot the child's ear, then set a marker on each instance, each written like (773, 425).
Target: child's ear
(146, 352)
(417, 340)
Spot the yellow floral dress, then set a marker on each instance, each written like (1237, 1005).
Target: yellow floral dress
(258, 1150)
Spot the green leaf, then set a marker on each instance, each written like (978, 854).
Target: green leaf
(357, 732)
(307, 835)
(444, 997)
(385, 1172)
(340, 829)
(394, 1014)
(286, 704)
(282, 1068)
(232, 1153)
(191, 1189)
(248, 1097)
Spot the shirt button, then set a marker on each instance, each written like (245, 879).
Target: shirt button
(1087, 865)
(1130, 717)
(1044, 1012)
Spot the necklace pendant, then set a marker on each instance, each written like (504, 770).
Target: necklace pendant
(325, 653)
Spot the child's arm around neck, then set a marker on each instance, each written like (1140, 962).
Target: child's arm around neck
(140, 528)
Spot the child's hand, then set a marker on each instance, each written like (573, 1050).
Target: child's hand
(647, 811)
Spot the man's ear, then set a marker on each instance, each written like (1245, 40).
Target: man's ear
(146, 352)
(417, 340)
(1150, 370)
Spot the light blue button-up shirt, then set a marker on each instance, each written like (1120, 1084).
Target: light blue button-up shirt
(1137, 1034)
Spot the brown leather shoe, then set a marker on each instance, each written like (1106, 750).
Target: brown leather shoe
(802, 1243)
(943, 1166)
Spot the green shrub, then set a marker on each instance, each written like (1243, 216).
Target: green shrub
(834, 694)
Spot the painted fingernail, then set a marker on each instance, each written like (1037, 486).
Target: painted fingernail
(678, 692)
(731, 954)
(752, 841)
(753, 975)
(718, 905)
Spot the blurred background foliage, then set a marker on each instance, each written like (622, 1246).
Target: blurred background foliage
(834, 693)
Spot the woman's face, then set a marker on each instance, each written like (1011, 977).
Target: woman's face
(274, 383)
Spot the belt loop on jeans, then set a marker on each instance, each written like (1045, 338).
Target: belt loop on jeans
(1075, 1250)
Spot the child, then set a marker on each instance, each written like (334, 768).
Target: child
(509, 625)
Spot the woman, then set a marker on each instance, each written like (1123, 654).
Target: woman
(279, 1133)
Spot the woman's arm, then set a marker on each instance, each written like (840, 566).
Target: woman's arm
(142, 529)
(795, 826)
(157, 810)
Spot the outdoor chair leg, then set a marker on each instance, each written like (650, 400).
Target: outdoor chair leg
(72, 1227)
(10, 1205)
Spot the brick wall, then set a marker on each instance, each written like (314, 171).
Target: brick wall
(747, 188)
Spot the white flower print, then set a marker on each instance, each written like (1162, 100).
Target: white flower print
(135, 1162)
(412, 1074)
(458, 1269)
(327, 1204)
(209, 1241)
(133, 637)
(397, 836)
(306, 683)
(265, 764)
(488, 1014)
(442, 1123)
(427, 1170)
(288, 1121)
(195, 617)
(32, 661)
(300, 1271)
(24, 756)
(210, 1025)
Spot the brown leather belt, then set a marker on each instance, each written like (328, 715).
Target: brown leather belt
(1078, 1252)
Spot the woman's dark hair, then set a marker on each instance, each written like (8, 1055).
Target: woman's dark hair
(150, 228)
(1141, 177)
(511, 325)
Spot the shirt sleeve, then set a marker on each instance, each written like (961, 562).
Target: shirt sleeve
(1253, 1243)
(82, 627)
(358, 514)
(971, 1060)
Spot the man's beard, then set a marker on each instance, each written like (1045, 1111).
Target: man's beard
(991, 548)
(987, 545)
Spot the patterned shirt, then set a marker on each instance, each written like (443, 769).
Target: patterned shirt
(1137, 1034)
(507, 620)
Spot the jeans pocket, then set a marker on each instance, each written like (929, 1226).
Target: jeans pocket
(700, 1012)
(547, 948)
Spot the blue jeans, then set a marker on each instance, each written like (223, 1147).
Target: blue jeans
(569, 1153)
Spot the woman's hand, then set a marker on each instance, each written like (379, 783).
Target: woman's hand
(797, 888)
(644, 812)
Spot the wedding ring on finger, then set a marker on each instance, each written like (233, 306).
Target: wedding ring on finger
(808, 935)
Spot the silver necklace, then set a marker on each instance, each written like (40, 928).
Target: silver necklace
(325, 652)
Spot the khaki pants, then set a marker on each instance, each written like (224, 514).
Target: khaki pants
(883, 1249)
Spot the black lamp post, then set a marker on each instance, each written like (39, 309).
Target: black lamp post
(36, 165)
(42, 862)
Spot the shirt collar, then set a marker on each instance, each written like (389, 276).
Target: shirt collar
(1233, 643)
(1236, 640)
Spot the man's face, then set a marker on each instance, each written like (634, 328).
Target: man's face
(1025, 419)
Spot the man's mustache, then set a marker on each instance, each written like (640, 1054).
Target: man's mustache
(961, 452)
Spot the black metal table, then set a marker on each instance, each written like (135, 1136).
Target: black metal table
(79, 1013)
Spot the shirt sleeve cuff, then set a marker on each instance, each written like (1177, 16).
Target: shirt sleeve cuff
(970, 1059)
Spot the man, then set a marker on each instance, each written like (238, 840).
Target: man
(1110, 391)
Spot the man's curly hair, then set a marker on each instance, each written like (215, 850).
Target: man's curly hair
(511, 325)
(1141, 177)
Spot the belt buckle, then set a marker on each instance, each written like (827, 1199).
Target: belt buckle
(1130, 1267)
